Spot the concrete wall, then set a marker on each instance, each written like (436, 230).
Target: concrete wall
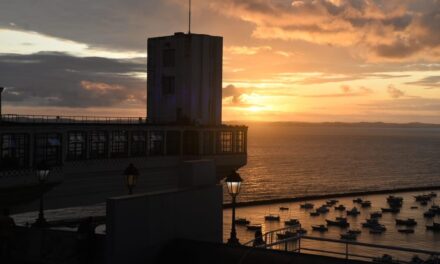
(198, 79)
(139, 226)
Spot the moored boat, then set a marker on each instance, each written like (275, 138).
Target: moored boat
(285, 235)
(340, 207)
(406, 230)
(282, 208)
(272, 217)
(353, 212)
(407, 222)
(307, 206)
(314, 213)
(393, 210)
(349, 236)
(366, 204)
(340, 221)
(320, 228)
(322, 210)
(376, 214)
(292, 222)
(242, 221)
(254, 227)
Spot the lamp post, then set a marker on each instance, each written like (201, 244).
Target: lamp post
(131, 174)
(42, 171)
(233, 182)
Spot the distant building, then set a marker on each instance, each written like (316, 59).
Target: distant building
(185, 79)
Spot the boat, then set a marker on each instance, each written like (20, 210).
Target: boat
(340, 221)
(395, 201)
(307, 206)
(378, 229)
(393, 210)
(433, 194)
(349, 236)
(376, 214)
(354, 231)
(371, 223)
(423, 197)
(314, 213)
(414, 207)
(272, 217)
(301, 231)
(320, 228)
(254, 227)
(357, 200)
(406, 231)
(424, 203)
(292, 222)
(242, 221)
(407, 222)
(282, 208)
(429, 214)
(385, 259)
(331, 202)
(433, 227)
(353, 212)
(366, 204)
(285, 235)
(322, 210)
(340, 207)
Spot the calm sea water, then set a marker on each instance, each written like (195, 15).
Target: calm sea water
(293, 160)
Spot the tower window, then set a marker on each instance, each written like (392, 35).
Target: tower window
(169, 58)
(168, 83)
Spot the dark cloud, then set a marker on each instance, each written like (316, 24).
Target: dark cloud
(57, 79)
(430, 82)
(394, 92)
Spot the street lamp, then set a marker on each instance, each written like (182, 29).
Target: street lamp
(131, 174)
(233, 182)
(42, 172)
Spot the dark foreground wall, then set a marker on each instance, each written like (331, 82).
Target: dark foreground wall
(185, 251)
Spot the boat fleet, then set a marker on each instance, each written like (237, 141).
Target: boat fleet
(372, 223)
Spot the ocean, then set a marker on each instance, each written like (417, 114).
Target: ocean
(295, 160)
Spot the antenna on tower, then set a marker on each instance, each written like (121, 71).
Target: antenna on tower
(189, 17)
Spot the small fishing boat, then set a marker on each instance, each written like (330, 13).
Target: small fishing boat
(395, 201)
(434, 227)
(340, 207)
(314, 213)
(366, 204)
(322, 210)
(424, 203)
(353, 212)
(292, 222)
(376, 214)
(320, 228)
(282, 208)
(340, 221)
(301, 231)
(433, 194)
(354, 231)
(429, 214)
(242, 221)
(272, 217)
(254, 227)
(371, 223)
(307, 206)
(414, 207)
(393, 210)
(358, 200)
(331, 202)
(407, 222)
(406, 230)
(348, 236)
(423, 197)
(285, 235)
(378, 230)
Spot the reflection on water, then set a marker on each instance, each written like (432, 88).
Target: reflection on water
(291, 161)
(420, 239)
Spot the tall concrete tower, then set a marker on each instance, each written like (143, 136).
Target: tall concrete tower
(185, 79)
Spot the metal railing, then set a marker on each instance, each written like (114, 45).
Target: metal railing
(71, 119)
(294, 244)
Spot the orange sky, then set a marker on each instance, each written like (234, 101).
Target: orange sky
(316, 60)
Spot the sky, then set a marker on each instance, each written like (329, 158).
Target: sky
(284, 60)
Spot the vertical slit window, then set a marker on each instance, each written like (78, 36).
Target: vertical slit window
(156, 142)
(239, 142)
(168, 85)
(76, 146)
(138, 143)
(119, 144)
(98, 145)
(48, 149)
(225, 142)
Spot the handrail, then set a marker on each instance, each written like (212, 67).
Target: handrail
(265, 235)
(297, 238)
(70, 119)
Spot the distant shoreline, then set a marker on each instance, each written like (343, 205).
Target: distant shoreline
(340, 124)
(329, 196)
